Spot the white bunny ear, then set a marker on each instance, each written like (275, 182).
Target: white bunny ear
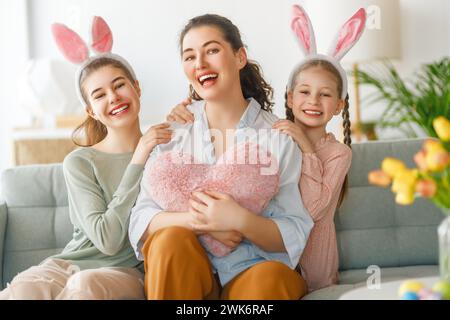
(102, 39)
(348, 35)
(302, 27)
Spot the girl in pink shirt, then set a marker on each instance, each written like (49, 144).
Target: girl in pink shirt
(316, 92)
(312, 100)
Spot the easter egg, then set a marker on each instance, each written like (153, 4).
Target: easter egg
(410, 286)
(443, 287)
(408, 295)
(425, 294)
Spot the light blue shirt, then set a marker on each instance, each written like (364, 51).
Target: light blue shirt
(286, 209)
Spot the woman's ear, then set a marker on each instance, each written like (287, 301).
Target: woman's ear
(290, 99)
(242, 58)
(138, 87)
(91, 113)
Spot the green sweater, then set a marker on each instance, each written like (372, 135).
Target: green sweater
(102, 188)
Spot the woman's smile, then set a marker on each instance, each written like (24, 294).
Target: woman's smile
(119, 110)
(207, 79)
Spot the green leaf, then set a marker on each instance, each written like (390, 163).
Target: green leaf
(419, 99)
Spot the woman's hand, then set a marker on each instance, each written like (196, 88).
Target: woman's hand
(216, 211)
(229, 238)
(157, 134)
(297, 133)
(180, 113)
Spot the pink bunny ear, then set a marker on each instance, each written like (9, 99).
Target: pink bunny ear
(102, 39)
(348, 35)
(70, 43)
(302, 27)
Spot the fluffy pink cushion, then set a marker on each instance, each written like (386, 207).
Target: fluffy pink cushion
(174, 175)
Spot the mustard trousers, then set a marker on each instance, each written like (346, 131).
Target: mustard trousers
(177, 268)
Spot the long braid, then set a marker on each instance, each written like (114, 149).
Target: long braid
(346, 123)
(348, 142)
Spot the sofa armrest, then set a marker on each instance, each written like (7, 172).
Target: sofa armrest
(3, 217)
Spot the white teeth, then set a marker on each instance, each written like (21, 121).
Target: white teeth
(114, 112)
(207, 76)
(312, 112)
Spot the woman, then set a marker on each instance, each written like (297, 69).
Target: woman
(102, 181)
(194, 185)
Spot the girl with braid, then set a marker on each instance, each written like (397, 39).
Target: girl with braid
(316, 92)
(312, 100)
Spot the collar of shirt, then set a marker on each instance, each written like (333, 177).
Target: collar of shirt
(247, 119)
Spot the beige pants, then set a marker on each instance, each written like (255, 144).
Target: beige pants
(57, 279)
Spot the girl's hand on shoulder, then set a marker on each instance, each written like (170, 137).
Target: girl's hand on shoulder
(157, 134)
(180, 113)
(289, 128)
(297, 133)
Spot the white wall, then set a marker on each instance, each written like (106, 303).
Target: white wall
(146, 32)
(13, 56)
(425, 37)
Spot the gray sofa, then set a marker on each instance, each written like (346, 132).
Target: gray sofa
(371, 228)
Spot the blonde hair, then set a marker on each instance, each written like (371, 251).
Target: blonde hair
(92, 131)
(327, 66)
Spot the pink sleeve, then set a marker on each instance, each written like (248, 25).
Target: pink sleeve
(320, 182)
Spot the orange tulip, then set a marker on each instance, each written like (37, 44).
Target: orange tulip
(426, 188)
(437, 159)
(420, 160)
(379, 178)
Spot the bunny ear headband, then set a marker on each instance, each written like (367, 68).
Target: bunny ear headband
(75, 49)
(345, 39)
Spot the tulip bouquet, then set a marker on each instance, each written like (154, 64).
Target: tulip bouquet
(431, 178)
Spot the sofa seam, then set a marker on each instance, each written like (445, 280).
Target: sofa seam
(389, 227)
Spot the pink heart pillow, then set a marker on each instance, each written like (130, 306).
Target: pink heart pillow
(242, 172)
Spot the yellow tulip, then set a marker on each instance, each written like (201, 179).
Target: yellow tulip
(433, 146)
(404, 198)
(405, 181)
(392, 166)
(379, 178)
(442, 127)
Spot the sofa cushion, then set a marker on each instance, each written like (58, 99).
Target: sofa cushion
(371, 228)
(34, 186)
(38, 223)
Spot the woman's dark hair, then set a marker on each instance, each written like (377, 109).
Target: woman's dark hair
(252, 82)
(345, 111)
(92, 131)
